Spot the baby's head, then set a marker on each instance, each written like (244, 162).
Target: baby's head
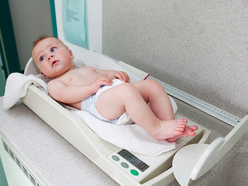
(52, 57)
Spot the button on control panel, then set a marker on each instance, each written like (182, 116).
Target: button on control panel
(129, 163)
(125, 165)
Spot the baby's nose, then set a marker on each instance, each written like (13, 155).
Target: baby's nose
(50, 57)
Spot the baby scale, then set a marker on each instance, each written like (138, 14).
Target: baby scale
(192, 157)
(128, 168)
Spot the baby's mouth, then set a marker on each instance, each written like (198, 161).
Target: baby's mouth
(54, 62)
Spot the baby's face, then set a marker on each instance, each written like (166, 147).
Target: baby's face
(52, 57)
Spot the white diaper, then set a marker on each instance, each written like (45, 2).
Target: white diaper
(89, 103)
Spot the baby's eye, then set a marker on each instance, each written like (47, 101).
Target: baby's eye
(53, 49)
(42, 58)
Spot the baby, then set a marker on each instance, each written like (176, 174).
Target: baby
(107, 94)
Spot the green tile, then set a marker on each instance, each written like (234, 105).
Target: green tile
(3, 181)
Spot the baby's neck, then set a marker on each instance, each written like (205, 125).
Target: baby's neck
(70, 69)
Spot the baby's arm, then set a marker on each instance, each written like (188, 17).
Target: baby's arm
(73, 94)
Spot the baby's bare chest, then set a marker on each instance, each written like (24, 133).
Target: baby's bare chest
(79, 77)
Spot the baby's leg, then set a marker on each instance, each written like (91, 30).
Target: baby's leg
(126, 97)
(154, 94)
(160, 104)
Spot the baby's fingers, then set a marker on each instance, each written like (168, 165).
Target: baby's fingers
(126, 78)
(123, 76)
(105, 80)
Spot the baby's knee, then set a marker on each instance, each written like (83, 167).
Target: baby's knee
(154, 87)
(152, 83)
(127, 87)
(128, 90)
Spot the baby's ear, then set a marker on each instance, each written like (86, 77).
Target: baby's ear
(71, 54)
(44, 75)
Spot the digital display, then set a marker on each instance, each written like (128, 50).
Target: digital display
(133, 160)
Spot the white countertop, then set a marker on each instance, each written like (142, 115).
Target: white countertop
(48, 155)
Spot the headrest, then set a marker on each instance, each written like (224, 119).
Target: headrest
(31, 68)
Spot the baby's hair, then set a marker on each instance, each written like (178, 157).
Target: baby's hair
(40, 38)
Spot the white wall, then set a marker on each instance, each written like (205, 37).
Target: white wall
(198, 46)
(31, 18)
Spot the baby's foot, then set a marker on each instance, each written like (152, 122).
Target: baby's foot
(189, 131)
(169, 129)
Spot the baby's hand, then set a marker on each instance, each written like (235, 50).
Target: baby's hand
(104, 80)
(122, 76)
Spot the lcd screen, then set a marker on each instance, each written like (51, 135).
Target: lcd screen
(133, 160)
